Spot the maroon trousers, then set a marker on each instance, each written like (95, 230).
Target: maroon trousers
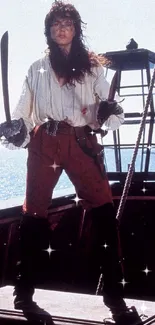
(46, 151)
(48, 155)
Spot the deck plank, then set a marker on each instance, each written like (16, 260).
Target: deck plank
(70, 305)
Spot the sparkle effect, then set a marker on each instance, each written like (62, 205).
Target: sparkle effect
(144, 190)
(76, 199)
(42, 70)
(146, 271)
(143, 308)
(49, 250)
(149, 147)
(54, 166)
(123, 282)
(105, 245)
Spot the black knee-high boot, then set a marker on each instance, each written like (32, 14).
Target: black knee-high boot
(33, 239)
(105, 228)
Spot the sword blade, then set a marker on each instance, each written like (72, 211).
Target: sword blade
(4, 69)
(113, 86)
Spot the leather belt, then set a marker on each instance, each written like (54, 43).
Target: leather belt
(82, 133)
(54, 127)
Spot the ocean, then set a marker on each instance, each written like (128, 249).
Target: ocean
(13, 174)
(13, 178)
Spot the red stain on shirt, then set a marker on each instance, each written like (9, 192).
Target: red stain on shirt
(84, 110)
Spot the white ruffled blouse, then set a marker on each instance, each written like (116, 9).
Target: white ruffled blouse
(43, 97)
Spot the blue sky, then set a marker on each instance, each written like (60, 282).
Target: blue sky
(110, 25)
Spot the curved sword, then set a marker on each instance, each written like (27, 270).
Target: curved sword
(4, 69)
(8, 128)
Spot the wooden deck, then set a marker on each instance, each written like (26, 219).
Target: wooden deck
(66, 308)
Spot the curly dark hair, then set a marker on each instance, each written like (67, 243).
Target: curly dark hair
(79, 60)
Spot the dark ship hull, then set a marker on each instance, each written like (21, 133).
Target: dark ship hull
(71, 267)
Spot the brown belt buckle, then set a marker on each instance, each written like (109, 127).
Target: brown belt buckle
(52, 129)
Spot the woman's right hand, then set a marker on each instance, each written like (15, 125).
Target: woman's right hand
(14, 131)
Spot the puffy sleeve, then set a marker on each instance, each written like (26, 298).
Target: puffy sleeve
(101, 88)
(24, 110)
(24, 107)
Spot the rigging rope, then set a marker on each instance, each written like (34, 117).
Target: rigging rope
(129, 177)
(131, 168)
